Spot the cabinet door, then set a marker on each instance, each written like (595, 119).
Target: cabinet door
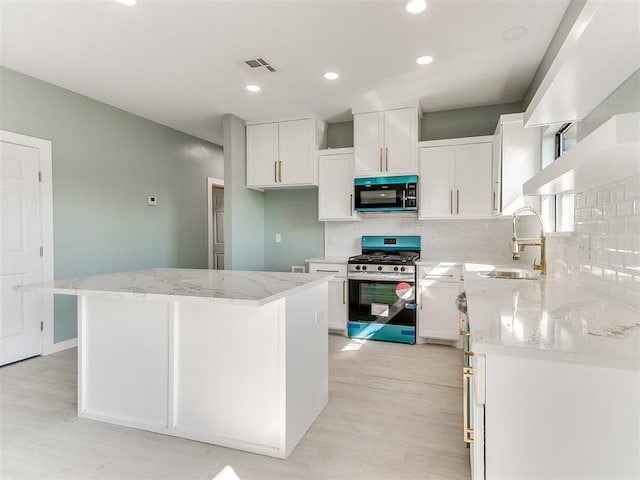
(436, 182)
(262, 154)
(496, 175)
(367, 141)
(296, 153)
(335, 187)
(438, 315)
(400, 141)
(473, 180)
(337, 304)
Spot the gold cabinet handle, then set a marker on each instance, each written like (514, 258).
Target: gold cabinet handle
(495, 196)
(386, 159)
(381, 160)
(280, 171)
(344, 287)
(351, 204)
(451, 202)
(461, 320)
(467, 375)
(275, 171)
(457, 201)
(328, 271)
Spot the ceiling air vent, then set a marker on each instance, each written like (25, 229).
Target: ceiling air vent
(258, 65)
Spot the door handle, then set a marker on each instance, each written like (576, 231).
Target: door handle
(467, 375)
(351, 204)
(386, 159)
(280, 171)
(344, 287)
(381, 169)
(458, 201)
(275, 171)
(451, 202)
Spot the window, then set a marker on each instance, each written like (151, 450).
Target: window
(557, 210)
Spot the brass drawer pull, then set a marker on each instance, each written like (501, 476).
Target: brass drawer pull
(467, 375)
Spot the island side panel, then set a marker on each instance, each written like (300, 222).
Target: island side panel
(307, 361)
(227, 376)
(123, 361)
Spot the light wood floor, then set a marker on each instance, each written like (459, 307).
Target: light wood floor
(394, 412)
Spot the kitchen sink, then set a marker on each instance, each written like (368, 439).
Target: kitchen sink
(508, 274)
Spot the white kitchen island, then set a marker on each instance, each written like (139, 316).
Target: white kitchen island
(237, 359)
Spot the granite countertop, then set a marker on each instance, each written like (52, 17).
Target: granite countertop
(216, 286)
(327, 260)
(550, 318)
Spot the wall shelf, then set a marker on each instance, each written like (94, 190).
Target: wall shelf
(609, 154)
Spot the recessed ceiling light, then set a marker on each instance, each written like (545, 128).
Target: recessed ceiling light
(253, 88)
(331, 75)
(424, 60)
(415, 6)
(128, 3)
(514, 33)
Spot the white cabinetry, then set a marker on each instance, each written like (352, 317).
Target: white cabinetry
(338, 293)
(516, 159)
(438, 316)
(386, 142)
(335, 185)
(455, 178)
(282, 153)
(564, 413)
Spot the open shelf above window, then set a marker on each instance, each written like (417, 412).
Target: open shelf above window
(609, 154)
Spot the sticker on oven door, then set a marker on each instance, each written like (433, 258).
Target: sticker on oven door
(379, 309)
(404, 291)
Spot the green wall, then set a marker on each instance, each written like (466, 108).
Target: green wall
(294, 215)
(105, 163)
(464, 122)
(244, 209)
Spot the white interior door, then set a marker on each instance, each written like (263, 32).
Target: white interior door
(20, 252)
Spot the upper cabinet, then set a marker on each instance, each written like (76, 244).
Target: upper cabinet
(386, 142)
(335, 185)
(516, 159)
(282, 153)
(455, 178)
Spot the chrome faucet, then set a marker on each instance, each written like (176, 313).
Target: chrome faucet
(518, 246)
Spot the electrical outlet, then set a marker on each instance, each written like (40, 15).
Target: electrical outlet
(584, 246)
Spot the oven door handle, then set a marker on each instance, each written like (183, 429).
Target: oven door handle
(408, 278)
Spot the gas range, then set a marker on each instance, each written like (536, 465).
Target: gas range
(382, 294)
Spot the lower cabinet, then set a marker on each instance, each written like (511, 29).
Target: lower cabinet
(533, 418)
(439, 285)
(338, 294)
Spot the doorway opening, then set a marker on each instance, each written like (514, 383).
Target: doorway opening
(215, 202)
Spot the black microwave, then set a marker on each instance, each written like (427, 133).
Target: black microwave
(386, 194)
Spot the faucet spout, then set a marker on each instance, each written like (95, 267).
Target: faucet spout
(518, 246)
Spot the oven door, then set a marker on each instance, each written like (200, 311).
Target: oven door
(382, 310)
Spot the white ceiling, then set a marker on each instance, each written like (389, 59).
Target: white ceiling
(175, 62)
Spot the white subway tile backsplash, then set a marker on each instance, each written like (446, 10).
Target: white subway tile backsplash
(607, 219)
(632, 189)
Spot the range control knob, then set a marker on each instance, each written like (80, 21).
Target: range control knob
(364, 267)
(402, 269)
(395, 269)
(379, 268)
(357, 267)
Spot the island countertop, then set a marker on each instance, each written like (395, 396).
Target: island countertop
(550, 318)
(193, 285)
